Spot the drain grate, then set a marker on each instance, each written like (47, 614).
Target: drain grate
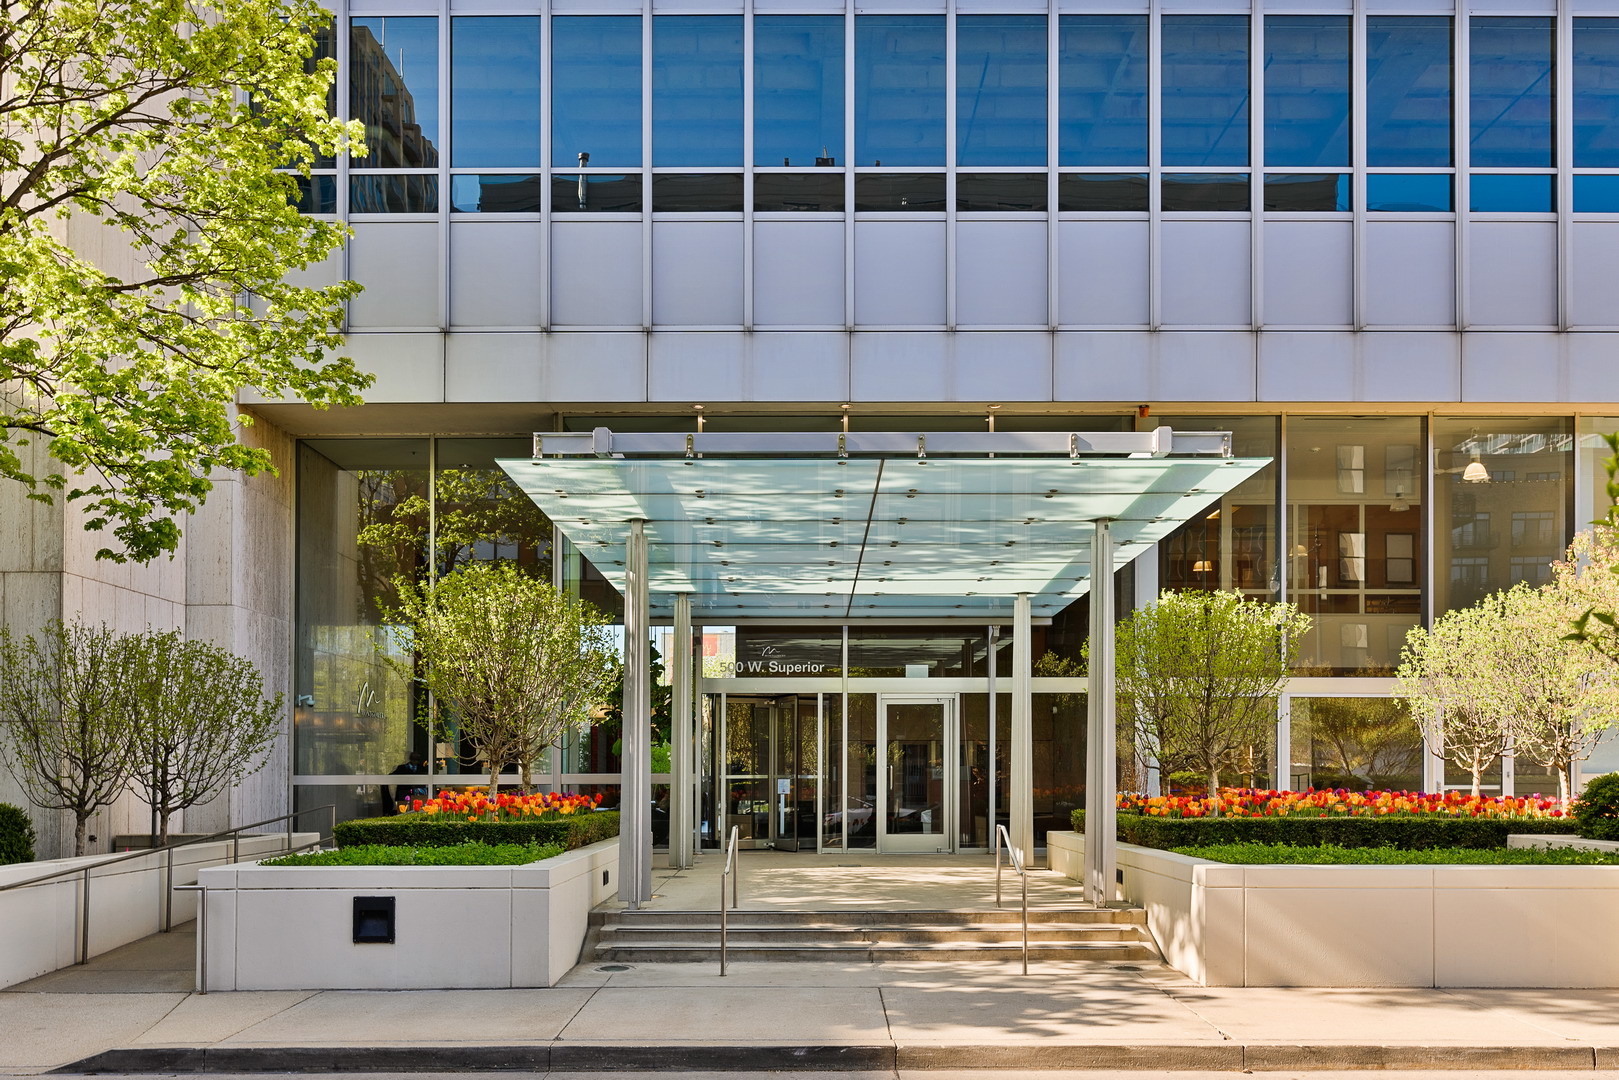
(614, 967)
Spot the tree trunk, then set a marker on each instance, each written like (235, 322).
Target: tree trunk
(81, 824)
(1478, 778)
(526, 775)
(1214, 791)
(494, 776)
(163, 816)
(1565, 781)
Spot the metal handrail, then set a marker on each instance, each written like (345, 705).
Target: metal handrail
(1017, 864)
(167, 850)
(733, 870)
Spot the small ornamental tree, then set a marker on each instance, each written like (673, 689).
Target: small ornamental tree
(1200, 674)
(199, 719)
(63, 732)
(513, 661)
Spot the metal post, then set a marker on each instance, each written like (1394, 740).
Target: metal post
(202, 939)
(1101, 751)
(681, 807)
(993, 766)
(1021, 795)
(635, 825)
(168, 894)
(84, 919)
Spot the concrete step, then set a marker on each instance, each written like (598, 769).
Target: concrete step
(681, 952)
(1009, 915)
(628, 935)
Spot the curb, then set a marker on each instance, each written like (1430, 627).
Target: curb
(695, 1057)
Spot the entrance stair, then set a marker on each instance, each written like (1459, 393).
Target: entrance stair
(1081, 933)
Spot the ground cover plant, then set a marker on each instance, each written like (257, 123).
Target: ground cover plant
(1335, 854)
(469, 854)
(457, 817)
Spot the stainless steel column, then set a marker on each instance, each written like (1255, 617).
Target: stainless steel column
(1021, 795)
(635, 806)
(1101, 746)
(681, 807)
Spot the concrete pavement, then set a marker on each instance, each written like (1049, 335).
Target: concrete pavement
(882, 1018)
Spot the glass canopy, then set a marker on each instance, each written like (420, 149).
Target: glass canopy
(889, 536)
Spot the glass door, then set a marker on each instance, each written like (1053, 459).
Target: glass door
(916, 805)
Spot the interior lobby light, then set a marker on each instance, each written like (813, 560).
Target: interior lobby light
(1475, 473)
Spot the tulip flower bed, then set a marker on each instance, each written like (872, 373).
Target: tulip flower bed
(459, 817)
(1337, 855)
(1359, 819)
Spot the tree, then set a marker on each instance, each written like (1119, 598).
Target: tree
(199, 719)
(1200, 674)
(63, 734)
(1363, 743)
(1597, 625)
(1502, 675)
(515, 662)
(151, 133)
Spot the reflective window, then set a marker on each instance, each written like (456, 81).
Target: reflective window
(1354, 541)
(393, 90)
(716, 193)
(899, 191)
(1205, 191)
(495, 194)
(1596, 194)
(1231, 546)
(596, 90)
(595, 193)
(1000, 90)
(495, 90)
(1511, 79)
(1409, 193)
(408, 194)
(1354, 743)
(1001, 191)
(325, 49)
(786, 192)
(1492, 476)
(1304, 192)
(317, 194)
(697, 90)
(797, 89)
(899, 90)
(1102, 191)
(1596, 93)
(1307, 90)
(1511, 194)
(1102, 90)
(1408, 90)
(1205, 89)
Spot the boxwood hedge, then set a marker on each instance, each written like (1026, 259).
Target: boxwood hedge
(434, 830)
(1406, 833)
(16, 835)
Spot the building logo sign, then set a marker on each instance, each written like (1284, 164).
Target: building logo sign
(770, 660)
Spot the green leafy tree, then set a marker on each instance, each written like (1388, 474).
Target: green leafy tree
(1597, 625)
(150, 133)
(199, 719)
(1502, 674)
(1199, 675)
(63, 732)
(515, 662)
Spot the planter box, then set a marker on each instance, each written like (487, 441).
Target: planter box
(456, 927)
(40, 924)
(1225, 925)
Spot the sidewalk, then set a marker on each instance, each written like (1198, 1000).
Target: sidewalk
(122, 1013)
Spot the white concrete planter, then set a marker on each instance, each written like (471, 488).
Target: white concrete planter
(292, 928)
(1226, 925)
(40, 925)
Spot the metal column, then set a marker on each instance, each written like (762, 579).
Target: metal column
(1021, 793)
(635, 806)
(681, 808)
(1101, 747)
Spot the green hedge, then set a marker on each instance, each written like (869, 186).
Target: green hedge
(395, 855)
(1329, 854)
(435, 830)
(1407, 833)
(16, 835)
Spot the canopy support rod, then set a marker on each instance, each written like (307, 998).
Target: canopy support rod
(635, 804)
(1101, 744)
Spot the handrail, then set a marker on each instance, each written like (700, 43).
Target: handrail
(167, 850)
(1017, 864)
(732, 867)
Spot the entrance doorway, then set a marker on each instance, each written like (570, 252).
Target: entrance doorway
(771, 773)
(916, 803)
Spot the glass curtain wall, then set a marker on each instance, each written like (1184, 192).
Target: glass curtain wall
(1307, 112)
(393, 91)
(1409, 107)
(1234, 544)
(1356, 743)
(1512, 76)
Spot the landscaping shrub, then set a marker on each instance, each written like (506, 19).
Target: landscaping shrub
(1335, 854)
(1596, 811)
(473, 854)
(438, 830)
(1405, 833)
(16, 835)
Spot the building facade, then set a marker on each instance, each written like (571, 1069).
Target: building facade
(1376, 241)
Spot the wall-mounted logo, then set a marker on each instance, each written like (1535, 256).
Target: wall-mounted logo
(769, 659)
